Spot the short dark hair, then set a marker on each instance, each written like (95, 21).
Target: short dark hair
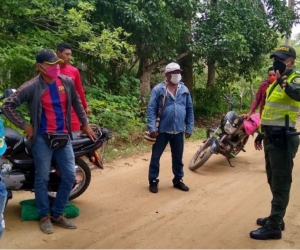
(269, 69)
(62, 46)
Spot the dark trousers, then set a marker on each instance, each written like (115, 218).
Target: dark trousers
(279, 167)
(176, 143)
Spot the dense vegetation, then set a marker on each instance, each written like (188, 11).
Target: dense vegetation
(121, 47)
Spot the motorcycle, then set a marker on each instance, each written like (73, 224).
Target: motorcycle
(228, 139)
(18, 171)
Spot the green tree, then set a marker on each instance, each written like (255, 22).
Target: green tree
(28, 27)
(234, 35)
(158, 28)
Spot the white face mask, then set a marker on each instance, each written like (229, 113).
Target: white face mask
(175, 78)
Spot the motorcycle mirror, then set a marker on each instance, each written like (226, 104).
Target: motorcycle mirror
(226, 98)
(8, 92)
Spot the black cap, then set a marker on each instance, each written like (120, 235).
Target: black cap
(284, 52)
(48, 56)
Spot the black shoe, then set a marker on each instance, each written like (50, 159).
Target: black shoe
(266, 233)
(153, 187)
(180, 185)
(262, 222)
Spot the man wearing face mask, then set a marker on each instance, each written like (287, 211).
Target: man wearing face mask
(260, 100)
(261, 94)
(176, 121)
(50, 97)
(282, 99)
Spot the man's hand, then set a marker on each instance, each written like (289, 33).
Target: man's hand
(245, 116)
(187, 135)
(88, 111)
(28, 130)
(154, 134)
(258, 142)
(281, 80)
(86, 129)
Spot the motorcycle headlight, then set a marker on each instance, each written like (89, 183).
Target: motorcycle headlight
(228, 128)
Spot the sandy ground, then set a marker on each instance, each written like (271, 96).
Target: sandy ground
(118, 211)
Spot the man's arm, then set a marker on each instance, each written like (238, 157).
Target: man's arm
(77, 105)
(189, 120)
(152, 110)
(78, 108)
(258, 98)
(292, 89)
(79, 89)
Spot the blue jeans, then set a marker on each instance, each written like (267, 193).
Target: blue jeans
(65, 161)
(3, 197)
(176, 144)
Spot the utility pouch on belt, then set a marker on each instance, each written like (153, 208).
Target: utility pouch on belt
(277, 135)
(56, 140)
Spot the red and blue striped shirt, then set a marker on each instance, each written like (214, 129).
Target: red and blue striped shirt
(54, 109)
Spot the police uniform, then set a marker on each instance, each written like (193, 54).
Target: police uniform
(279, 147)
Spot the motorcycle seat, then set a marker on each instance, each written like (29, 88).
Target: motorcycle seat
(84, 139)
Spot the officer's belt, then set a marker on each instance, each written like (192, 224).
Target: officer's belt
(268, 129)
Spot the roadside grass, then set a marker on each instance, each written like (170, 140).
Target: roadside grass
(118, 148)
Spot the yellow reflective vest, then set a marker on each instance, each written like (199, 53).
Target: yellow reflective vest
(278, 104)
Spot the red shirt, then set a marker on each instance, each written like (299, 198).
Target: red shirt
(73, 73)
(260, 97)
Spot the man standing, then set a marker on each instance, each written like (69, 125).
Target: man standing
(64, 52)
(177, 118)
(282, 100)
(50, 97)
(261, 94)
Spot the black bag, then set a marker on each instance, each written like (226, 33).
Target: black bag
(277, 136)
(56, 140)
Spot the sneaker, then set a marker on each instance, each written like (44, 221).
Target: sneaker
(262, 222)
(46, 225)
(153, 186)
(63, 222)
(180, 185)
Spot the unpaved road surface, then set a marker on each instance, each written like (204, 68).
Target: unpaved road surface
(118, 211)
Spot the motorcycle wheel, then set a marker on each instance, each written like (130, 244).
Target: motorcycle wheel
(200, 157)
(241, 144)
(83, 179)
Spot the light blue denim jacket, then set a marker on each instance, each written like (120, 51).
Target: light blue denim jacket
(177, 114)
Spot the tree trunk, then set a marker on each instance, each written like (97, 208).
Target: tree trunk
(144, 74)
(241, 95)
(291, 5)
(186, 64)
(211, 73)
(251, 93)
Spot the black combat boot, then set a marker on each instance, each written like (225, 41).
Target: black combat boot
(262, 222)
(266, 233)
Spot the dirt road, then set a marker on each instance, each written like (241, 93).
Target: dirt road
(118, 211)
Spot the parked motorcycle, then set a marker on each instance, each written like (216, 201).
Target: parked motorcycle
(229, 139)
(18, 171)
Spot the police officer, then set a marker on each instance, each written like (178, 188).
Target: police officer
(282, 99)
